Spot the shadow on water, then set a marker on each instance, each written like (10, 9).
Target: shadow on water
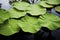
(43, 34)
(18, 36)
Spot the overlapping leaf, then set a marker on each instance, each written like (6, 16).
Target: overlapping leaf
(54, 2)
(44, 4)
(57, 8)
(32, 9)
(9, 28)
(36, 10)
(29, 24)
(4, 15)
(50, 21)
(16, 14)
(20, 5)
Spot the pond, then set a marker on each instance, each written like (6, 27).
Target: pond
(7, 6)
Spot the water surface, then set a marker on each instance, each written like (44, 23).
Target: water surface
(5, 4)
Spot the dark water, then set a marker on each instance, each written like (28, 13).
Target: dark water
(54, 12)
(40, 35)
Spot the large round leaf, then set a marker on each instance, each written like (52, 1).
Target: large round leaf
(54, 2)
(20, 5)
(57, 8)
(4, 15)
(29, 24)
(36, 10)
(9, 28)
(50, 21)
(16, 14)
(44, 4)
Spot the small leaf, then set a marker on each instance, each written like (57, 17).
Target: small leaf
(4, 15)
(44, 4)
(16, 14)
(57, 8)
(36, 10)
(29, 24)
(54, 2)
(9, 28)
(20, 5)
(50, 21)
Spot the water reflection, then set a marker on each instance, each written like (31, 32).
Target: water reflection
(54, 12)
(5, 4)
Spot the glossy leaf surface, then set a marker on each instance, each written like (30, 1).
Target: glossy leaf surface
(57, 8)
(20, 5)
(44, 4)
(50, 21)
(54, 2)
(29, 24)
(4, 15)
(9, 28)
(16, 14)
(36, 10)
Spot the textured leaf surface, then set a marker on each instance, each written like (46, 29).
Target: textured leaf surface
(57, 8)
(44, 4)
(36, 10)
(16, 14)
(9, 28)
(50, 21)
(54, 2)
(20, 5)
(29, 24)
(4, 15)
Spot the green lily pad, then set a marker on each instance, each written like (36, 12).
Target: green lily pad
(36, 10)
(57, 8)
(29, 24)
(9, 28)
(44, 4)
(54, 2)
(16, 14)
(50, 21)
(4, 15)
(21, 5)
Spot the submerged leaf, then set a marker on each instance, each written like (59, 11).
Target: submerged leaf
(36, 10)
(44, 4)
(50, 21)
(4, 15)
(57, 8)
(29, 24)
(16, 14)
(20, 5)
(54, 2)
(9, 28)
